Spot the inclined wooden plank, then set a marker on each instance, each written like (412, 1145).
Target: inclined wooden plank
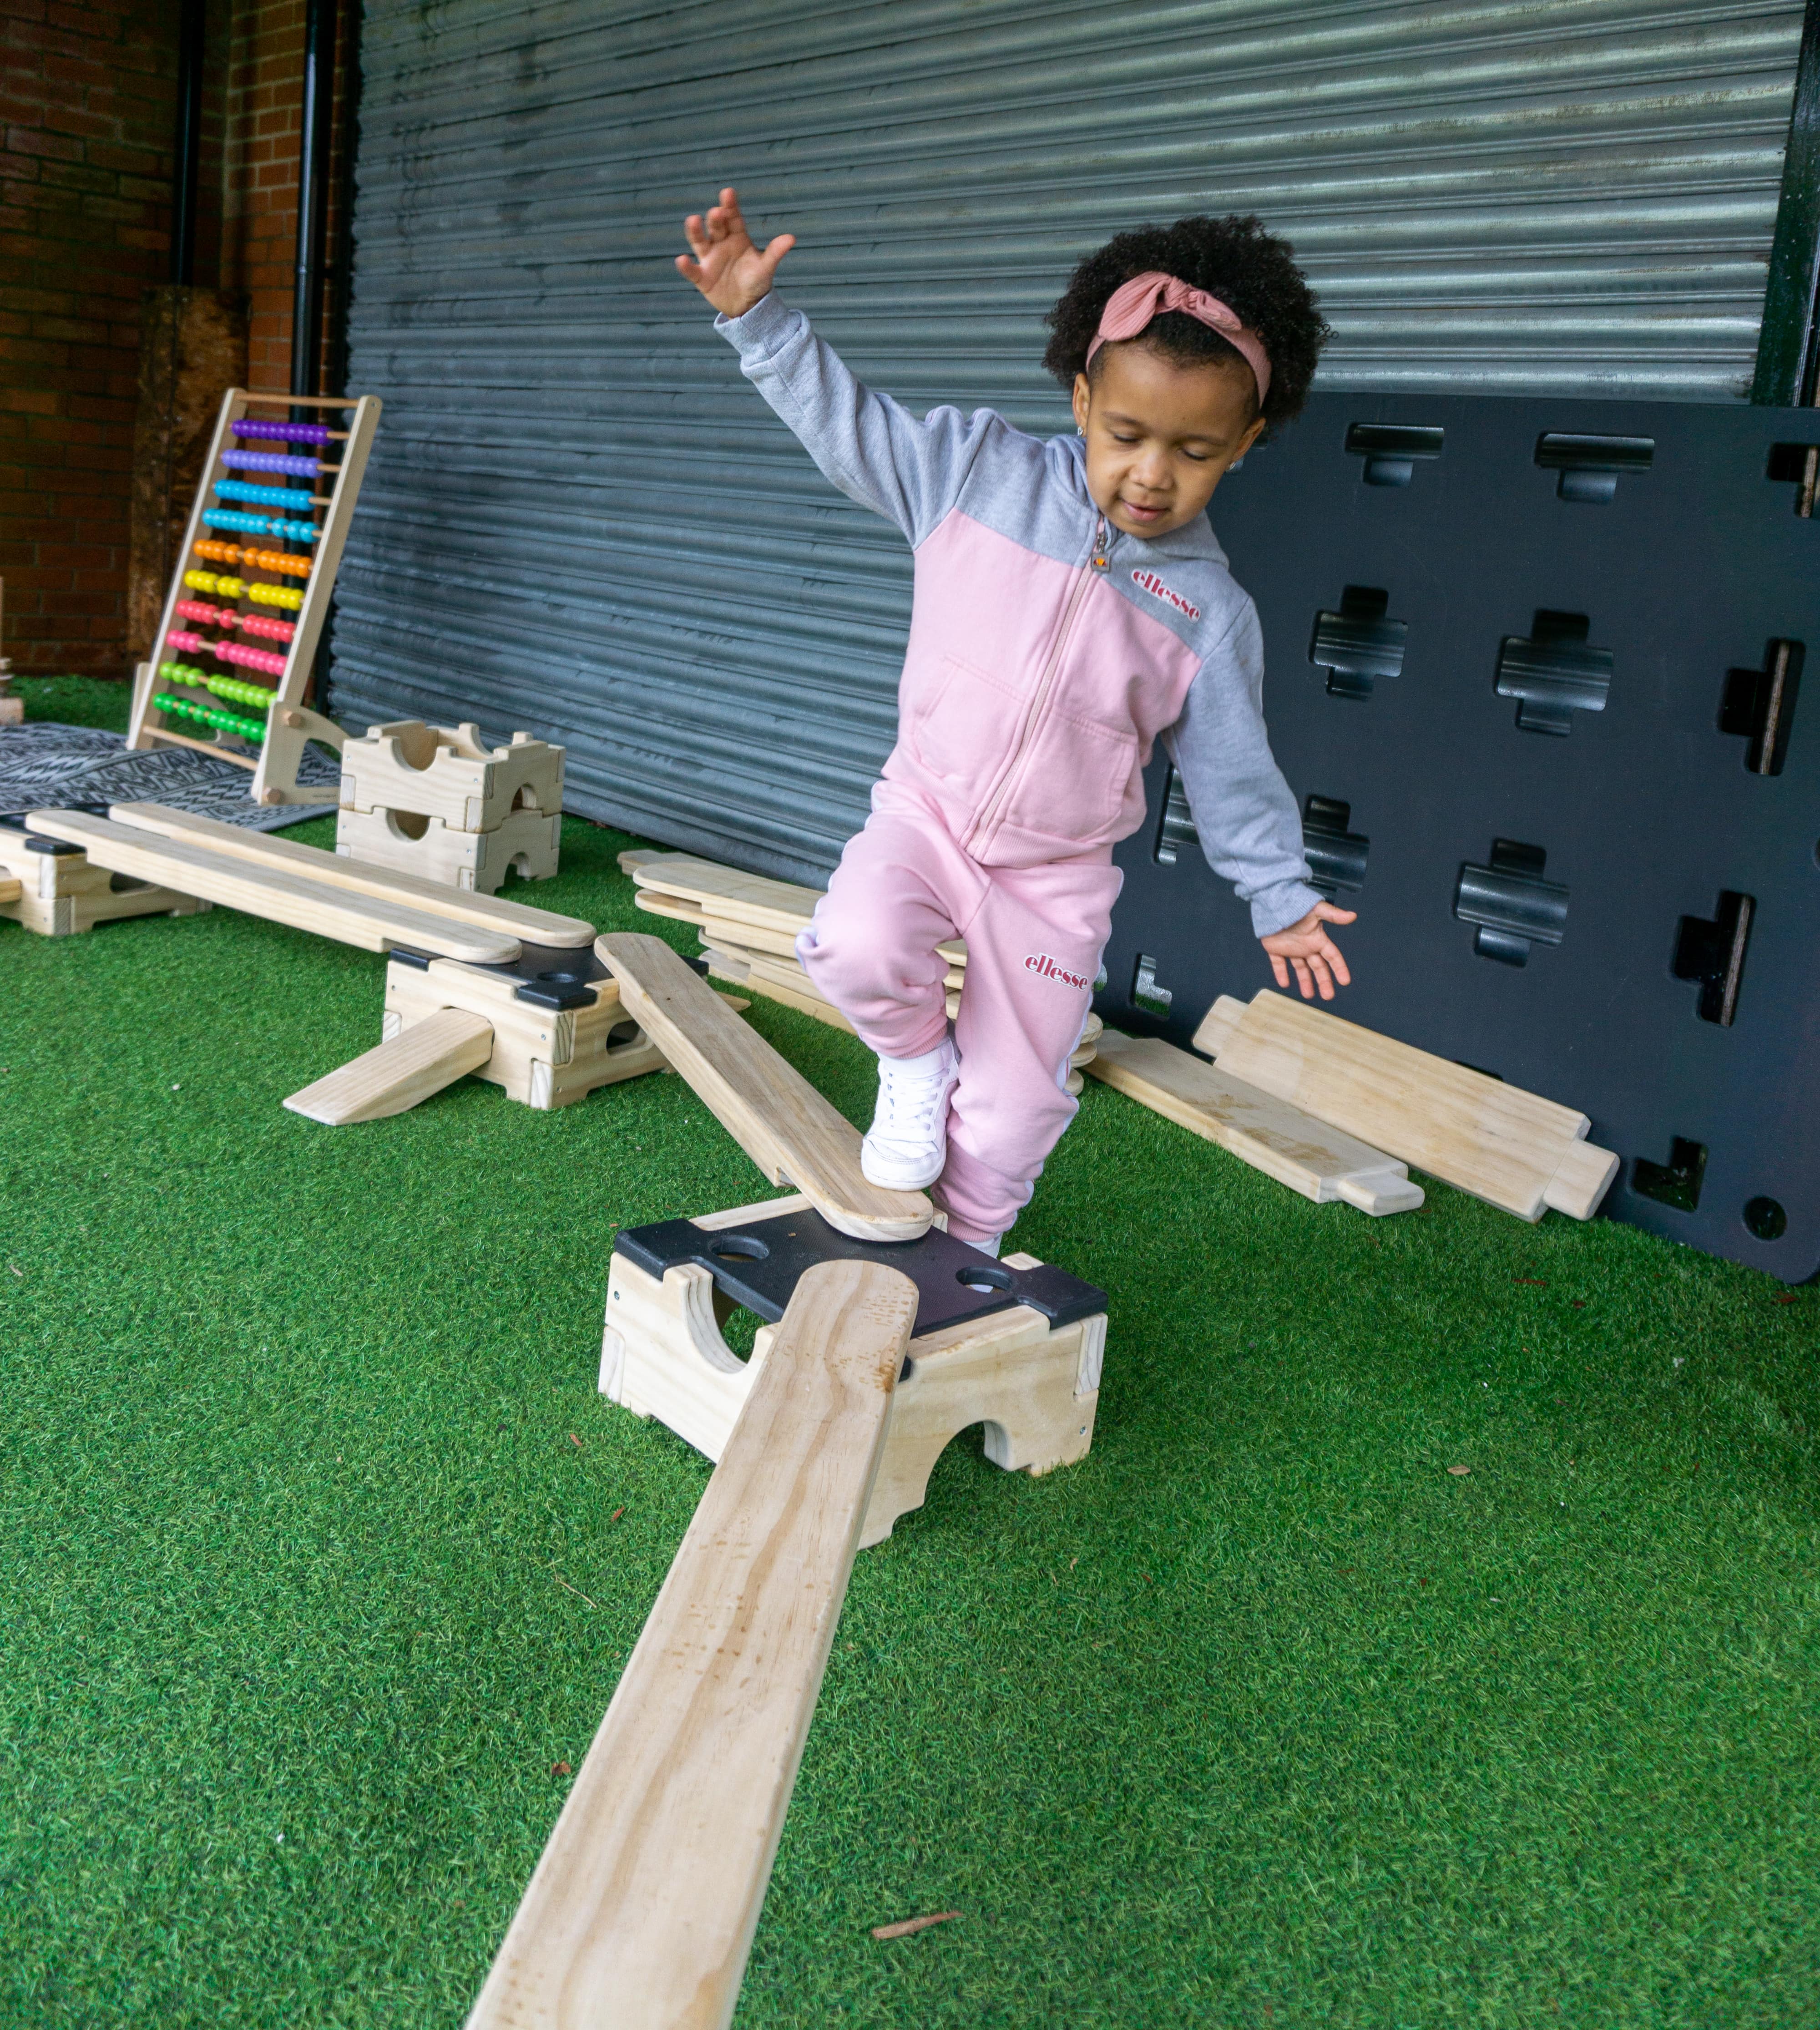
(641, 1912)
(1308, 1155)
(303, 902)
(786, 1126)
(393, 1076)
(521, 920)
(1492, 1140)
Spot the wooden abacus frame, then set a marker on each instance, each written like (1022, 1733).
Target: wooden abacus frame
(290, 723)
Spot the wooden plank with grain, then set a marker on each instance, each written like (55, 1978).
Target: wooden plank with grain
(1319, 1161)
(279, 894)
(393, 1076)
(793, 1134)
(1515, 1149)
(640, 1914)
(521, 920)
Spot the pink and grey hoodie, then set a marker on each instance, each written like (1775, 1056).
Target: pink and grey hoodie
(1048, 651)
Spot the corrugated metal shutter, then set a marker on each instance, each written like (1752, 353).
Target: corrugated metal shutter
(580, 520)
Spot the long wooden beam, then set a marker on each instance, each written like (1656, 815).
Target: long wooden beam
(794, 1135)
(641, 1912)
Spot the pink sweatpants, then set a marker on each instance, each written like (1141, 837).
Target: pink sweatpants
(1033, 940)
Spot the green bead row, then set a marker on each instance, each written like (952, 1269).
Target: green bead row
(224, 722)
(235, 690)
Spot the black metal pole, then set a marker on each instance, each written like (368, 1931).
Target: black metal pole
(186, 148)
(313, 197)
(1788, 352)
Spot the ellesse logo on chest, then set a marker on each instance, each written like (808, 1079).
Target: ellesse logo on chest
(1147, 581)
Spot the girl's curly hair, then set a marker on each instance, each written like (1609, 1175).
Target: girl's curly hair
(1234, 258)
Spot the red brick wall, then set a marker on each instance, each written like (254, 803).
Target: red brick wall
(88, 105)
(87, 102)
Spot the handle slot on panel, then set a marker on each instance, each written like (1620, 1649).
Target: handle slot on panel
(1512, 907)
(1175, 832)
(1711, 950)
(1553, 673)
(1391, 449)
(1336, 857)
(1357, 645)
(1591, 467)
(1758, 706)
(1677, 1182)
(1798, 465)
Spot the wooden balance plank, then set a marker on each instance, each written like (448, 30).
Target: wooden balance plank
(304, 902)
(513, 920)
(786, 1126)
(1514, 1149)
(393, 1076)
(779, 905)
(641, 1912)
(1306, 1154)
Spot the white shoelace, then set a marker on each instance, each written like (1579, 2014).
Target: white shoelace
(911, 1105)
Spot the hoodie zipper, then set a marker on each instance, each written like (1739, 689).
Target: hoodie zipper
(989, 817)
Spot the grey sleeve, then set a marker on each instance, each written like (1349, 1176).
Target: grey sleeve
(1248, 823)
(871, 448)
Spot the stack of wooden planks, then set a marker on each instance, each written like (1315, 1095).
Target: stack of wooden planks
(749, 926)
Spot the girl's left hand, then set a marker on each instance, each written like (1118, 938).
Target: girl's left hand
(1307, 947)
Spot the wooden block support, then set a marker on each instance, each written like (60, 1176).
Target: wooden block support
(304, 901)
(63, 895)
(527, 842)
(1035, 1388)
(1319, 1161)
(337, 870)
(1514, 1149)
(450, 773)
(393, 1076)
(641, 1912)
(794, 1135)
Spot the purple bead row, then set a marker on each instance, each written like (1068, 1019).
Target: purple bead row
(315, 433)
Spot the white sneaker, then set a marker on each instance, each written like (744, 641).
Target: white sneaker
(907, 1144)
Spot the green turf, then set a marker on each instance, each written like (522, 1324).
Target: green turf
(1257, 1717)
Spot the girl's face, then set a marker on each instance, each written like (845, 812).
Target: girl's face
(1160, 435)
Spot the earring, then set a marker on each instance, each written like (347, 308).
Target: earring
(1079, 431)
(1236, 464)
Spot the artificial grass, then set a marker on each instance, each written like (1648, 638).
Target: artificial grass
(1257, 1716)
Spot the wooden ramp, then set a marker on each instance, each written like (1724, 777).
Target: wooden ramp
(794, 1135)
(641, 1912)
(394, 1076)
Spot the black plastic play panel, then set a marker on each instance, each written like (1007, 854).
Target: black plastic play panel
(758, 1265)
(1535, 680)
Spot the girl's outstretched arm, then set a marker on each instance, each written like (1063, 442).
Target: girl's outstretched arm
(727, 266)
(907, 468)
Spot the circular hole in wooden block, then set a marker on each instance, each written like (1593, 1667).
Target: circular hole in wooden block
(987, 1276)
(406, 824)
(739, 1247)
(739, 1328)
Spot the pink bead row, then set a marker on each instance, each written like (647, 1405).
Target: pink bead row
(225, 616)
(229, 651)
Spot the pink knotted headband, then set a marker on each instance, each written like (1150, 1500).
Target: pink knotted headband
(1132, 306)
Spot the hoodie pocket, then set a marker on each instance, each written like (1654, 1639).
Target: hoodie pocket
(1075, 780)
(964, 723)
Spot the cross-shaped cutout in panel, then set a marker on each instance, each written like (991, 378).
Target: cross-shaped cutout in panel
(1175, 832)
(1552, 672)
(1336, 857)
(1357, 645)
(1511, 904)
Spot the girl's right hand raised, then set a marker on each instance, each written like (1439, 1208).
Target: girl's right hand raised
(726, 267)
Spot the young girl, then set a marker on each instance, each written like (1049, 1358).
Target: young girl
(1072, 606)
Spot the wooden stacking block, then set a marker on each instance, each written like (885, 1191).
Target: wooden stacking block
(1512, 1148)
(62, 894)
(1035, 1388)
(305, 902)
(527, 843)
(1308, 1155)
(450, 773)
(335, 870)
(794, 1135)
(641, 1912)
(544, 1057)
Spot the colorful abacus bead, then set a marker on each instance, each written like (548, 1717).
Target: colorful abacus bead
(262, 497)
(270, 461)
(226, 722)
(260, 525)
(248, 659)
(271, 560)
(275, 595)
(183, 673)
(264, 626)
(210, 616)
(238, 691)
(224, 588)
(315, 433)
(191, 644)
